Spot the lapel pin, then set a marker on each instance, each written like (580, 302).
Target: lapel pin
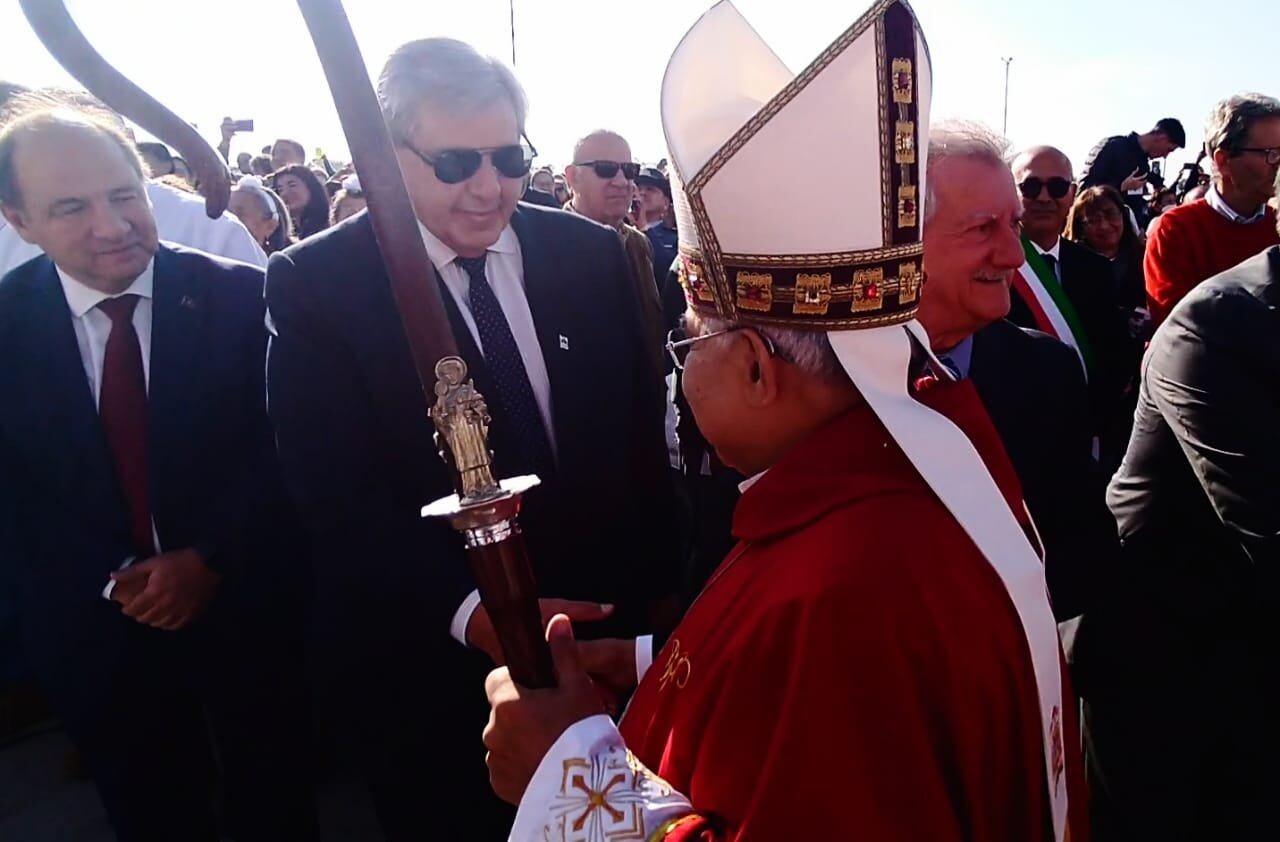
(188, 302)
(564, 343)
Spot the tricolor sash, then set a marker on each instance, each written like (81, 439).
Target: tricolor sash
(1038, 287)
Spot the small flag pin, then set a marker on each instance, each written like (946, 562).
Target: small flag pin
(564, 343)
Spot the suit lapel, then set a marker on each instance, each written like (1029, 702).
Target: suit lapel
(77, 449)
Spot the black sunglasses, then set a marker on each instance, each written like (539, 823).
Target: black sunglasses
(457, 165)
(608, 169)
(1058, 187)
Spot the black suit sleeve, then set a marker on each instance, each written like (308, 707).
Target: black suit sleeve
(657, 564)
(1211, 373)
(1075, 525)
(241, 518)
(370, 542)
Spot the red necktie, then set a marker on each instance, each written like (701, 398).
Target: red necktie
(122, 405)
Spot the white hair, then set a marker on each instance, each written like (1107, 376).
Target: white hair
(808, 350)
(448, 74)
(252, 185)
(961, 139)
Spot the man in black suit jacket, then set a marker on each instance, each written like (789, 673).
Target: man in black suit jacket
(545, 313)
(1031, 385)
(1183, 726)
(1044, 178)
(147, 520)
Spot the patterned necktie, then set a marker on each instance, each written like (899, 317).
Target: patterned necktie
(122, 406)
(514, 395)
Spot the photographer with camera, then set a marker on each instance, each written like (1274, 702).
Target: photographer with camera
(1125, 162)
(1232, 222)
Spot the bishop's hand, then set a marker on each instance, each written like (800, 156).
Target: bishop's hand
(524, 724)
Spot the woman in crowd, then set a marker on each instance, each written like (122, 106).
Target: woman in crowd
(1100, 221)
(263, 213)
(348, 201)
(304, 196)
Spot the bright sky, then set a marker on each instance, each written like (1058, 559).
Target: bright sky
(1082, 69)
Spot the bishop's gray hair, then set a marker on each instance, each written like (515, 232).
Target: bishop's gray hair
(446, 74)
(807, 350)
(961, 139)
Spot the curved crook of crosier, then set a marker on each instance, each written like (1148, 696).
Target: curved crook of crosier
(55, 28)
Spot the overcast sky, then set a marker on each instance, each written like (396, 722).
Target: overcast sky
(1082, 69)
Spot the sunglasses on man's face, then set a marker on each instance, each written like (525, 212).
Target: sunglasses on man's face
(1031, 187)
(608, 169)
(454, 166)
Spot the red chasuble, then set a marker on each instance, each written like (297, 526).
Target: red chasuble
(855, 668)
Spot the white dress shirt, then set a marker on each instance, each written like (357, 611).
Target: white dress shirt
(504, 269)
(1054, 253)
(1219, 204)
(180, 218)
(93, 327)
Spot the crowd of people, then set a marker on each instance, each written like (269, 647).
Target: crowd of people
(770, 512)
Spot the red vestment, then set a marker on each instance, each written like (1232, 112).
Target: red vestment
(855, 668)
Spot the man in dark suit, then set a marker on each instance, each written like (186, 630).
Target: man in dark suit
(1031, 385)
(544, 310)
(147, 521)
(1044, 178)
(1182, 729)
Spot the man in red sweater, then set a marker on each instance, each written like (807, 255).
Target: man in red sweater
(1233, 222)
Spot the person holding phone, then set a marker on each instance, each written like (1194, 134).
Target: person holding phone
(1125, 163)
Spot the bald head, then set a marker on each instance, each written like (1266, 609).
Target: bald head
(1045, 180)
(1042, 159)
(600, 139)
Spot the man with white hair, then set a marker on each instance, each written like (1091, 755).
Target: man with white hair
(876, 659)
(1031, 384)
(544, 312)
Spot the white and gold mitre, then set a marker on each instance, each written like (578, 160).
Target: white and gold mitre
(798, 197)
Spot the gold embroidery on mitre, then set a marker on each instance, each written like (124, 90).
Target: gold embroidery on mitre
(813, 294)
(904, 142)
(908, 283)
(868, 290)
(907, 206)
(692, 279)
(755, 291)
(902, 87)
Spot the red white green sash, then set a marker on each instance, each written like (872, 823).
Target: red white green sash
(1038, 287)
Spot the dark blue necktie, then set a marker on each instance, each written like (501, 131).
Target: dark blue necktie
(514, 399)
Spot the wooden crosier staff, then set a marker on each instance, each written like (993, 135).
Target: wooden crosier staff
(483, 510)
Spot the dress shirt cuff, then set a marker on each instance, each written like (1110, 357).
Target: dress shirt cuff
(644, 656)
(562, 788)
(458, 628)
